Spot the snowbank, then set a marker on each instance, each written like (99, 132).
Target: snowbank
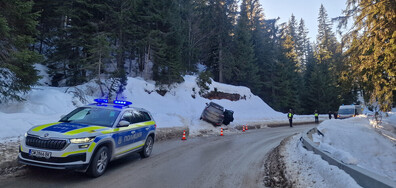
(356, 141)
(306, 169)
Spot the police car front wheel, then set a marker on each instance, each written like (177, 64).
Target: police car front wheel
(99, 162)
(148, 147)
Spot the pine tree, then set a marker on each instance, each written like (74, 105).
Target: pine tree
(263, 38)
(245, 70)
(218, 17)
(78, 25)
(289, 79)
(308, 101)
(302, 45)
(192, 37)
(325, 54)
(371, 55)
(292, 29)
(17, 32)
(49, 23)
(165, 42)
(267, 55)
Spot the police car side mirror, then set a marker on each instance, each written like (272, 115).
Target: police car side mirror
(123, 123)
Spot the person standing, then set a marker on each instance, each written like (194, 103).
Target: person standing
(329, 114)
(290, 116)
(335, 114)
(316, 117)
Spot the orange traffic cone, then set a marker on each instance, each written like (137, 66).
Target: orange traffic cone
(221, 132)
(184, 135)
(243, 130)
(246, 127)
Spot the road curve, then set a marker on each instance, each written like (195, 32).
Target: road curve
(234, 160)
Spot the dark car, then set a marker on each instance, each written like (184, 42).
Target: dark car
(216, 114)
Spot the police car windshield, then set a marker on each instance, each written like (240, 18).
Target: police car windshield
(92, 116)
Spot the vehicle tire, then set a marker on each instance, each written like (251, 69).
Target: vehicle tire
(99, 162)
(147, 148)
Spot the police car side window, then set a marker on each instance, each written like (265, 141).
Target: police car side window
(140, 117)
(127, 117)
(146, 116)
(135, 117)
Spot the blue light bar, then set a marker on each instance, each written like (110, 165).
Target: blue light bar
(101, 100)
(126, 103)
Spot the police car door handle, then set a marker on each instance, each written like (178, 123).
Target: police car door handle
(147, 129)
(133, 132)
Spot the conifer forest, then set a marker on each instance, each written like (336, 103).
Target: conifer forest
(163, 40)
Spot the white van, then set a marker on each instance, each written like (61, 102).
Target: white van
(346, 111)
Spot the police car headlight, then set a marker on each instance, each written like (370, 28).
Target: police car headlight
(82, 140)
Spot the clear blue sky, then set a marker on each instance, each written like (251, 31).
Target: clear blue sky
(308, 10)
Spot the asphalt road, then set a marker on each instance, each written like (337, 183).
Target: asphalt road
(235, 160)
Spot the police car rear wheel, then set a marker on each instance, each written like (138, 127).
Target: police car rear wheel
(148, 147)
(99, 162)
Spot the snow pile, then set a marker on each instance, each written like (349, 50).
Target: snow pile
(355, 141)
(306, 169)
(42, 105)
(179, 108)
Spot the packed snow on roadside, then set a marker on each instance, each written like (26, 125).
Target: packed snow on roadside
(354, 141)
(180, 107)
(306, 169)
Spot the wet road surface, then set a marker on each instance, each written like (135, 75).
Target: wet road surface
(234, 160)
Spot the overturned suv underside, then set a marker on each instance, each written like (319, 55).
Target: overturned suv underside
(217, 115)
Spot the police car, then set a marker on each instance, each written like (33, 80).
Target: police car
(89, 137)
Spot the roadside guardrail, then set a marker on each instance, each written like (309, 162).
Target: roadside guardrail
(362, 176)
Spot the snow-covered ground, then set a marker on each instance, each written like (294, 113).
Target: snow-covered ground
(178, 108)
(357, 141)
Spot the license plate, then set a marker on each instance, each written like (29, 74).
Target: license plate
(41, 154)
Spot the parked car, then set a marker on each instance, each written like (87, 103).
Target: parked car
(89, 137)
(216, 114)
(346, 111)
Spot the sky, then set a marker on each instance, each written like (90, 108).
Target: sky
(308, 10)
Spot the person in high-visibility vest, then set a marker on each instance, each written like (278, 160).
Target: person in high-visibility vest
(316, 117)
(290, 116)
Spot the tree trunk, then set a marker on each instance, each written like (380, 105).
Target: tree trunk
(221, 62)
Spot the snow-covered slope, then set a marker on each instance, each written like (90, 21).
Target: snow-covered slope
(177, 108)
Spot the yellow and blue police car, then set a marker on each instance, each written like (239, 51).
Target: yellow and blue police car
(89, 137)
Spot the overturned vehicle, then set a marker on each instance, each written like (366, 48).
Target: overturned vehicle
(217, 115)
